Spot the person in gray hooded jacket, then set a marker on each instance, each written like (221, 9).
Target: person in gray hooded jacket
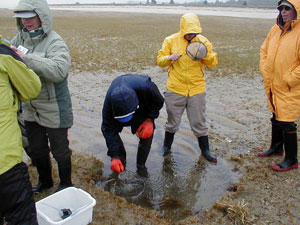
(48, 117)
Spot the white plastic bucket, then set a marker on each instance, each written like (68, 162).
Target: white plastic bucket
(81, 203)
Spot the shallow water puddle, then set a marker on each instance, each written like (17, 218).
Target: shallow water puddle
(178, 185)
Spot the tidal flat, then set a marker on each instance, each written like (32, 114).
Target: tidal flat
(241, 188)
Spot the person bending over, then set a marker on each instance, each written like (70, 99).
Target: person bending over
(131, 100)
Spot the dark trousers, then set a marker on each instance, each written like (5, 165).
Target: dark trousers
(143, 151)
(17, 205)
(39, 138)
(287, 127)
(142, 154)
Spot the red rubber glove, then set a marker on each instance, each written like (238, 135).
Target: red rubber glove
(116, 165)
(145, 130)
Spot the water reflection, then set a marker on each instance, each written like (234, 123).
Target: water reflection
(183, 186)
(126, 184)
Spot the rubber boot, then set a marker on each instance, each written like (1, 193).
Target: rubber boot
(276, 148)
(142, 170)
(205, 151)
(64, 170)
(142, 155)
(166, 148)
(44, 168)
(291, 149)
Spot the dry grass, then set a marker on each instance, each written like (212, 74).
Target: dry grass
(238, 212)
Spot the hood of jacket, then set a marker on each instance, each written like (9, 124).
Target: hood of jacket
(42, 10)
(189, 23)
(296, 4)
(124, 100)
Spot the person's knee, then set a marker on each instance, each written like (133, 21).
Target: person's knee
(172, 130)
(61, 156)
(199, 132)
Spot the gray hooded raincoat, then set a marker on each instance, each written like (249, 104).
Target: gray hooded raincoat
(49, 57)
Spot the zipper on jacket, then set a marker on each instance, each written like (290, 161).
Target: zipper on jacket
(48, 93)
(13, 93)
(36, 114)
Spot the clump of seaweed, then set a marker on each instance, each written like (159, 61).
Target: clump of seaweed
(237, 212)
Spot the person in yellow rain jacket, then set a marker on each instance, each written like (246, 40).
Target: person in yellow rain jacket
(280, 68)
(186, 83)
(17, 82)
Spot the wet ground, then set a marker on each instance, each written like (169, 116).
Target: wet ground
(183, 183)
(239, 127)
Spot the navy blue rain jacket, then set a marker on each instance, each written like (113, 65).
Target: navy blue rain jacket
(128, 93)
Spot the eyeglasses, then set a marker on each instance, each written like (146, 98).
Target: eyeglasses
(192, 34)
(286, 8)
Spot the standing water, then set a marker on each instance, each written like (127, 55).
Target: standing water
(183, 183)
(178, 185)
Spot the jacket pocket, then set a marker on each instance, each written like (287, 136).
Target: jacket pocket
(285, 78)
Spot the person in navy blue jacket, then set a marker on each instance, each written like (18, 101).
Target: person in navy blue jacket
(131, 100)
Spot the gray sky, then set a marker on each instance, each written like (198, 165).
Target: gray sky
(13, 3)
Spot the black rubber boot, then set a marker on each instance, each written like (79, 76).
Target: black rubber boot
(204, 146)
(64, 170)
(44, 168)
(142, 170)
(143, 151)
(166, 148)
(142, 154)
(291, 149)
(276, 142)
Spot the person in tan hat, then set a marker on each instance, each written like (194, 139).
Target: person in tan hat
(280, 68)
(47, 118)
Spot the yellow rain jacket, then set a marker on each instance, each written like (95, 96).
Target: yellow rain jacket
(185, 75)
(280, 67)
(17, 81)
